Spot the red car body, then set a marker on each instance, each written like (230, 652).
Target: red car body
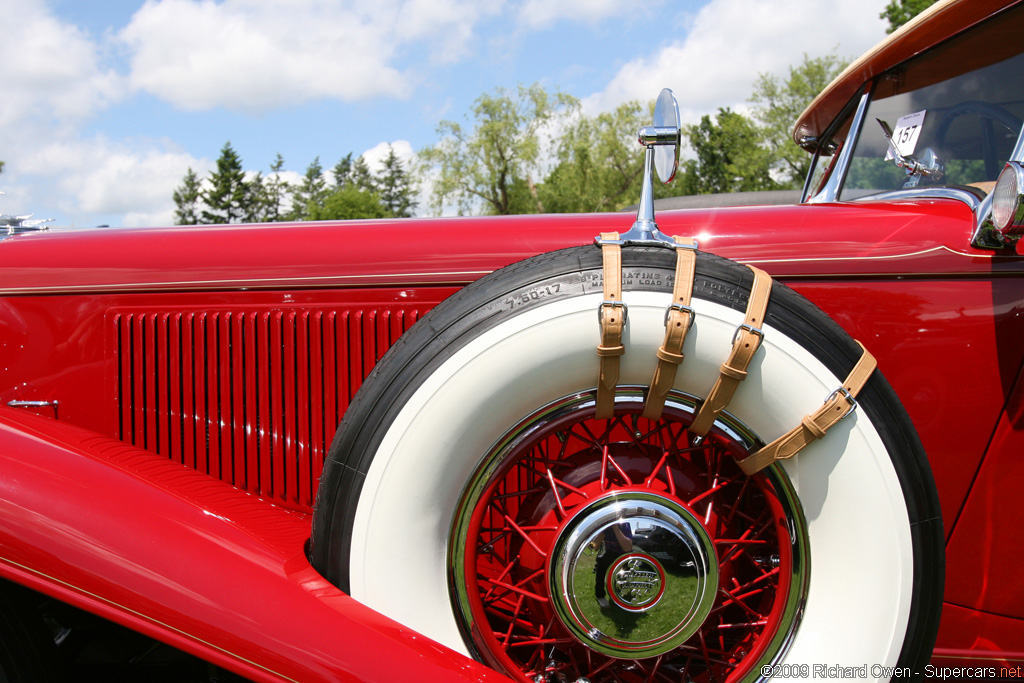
(168, 396)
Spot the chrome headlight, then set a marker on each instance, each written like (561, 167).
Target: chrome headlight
(1008, 200)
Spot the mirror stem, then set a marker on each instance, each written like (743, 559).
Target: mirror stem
(645, 225)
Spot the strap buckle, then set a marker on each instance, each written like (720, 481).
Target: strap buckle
(841, 391)
(749, 328)
(614, 304)
(600, 241)
(688, 310)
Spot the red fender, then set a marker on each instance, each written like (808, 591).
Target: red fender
(191, 561)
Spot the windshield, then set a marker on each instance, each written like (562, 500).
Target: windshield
(957, 110)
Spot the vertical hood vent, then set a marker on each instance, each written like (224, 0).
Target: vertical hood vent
(252, 397)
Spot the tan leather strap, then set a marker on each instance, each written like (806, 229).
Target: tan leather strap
(612, 317)
(745, 344)
(814, 426)
(678, 321)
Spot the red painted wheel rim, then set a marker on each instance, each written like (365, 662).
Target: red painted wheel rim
(547, 472)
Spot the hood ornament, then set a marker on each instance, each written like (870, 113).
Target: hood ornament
(12, 225)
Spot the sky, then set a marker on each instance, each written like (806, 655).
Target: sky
(105, 104)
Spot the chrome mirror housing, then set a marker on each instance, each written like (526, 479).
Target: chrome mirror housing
(666, 118)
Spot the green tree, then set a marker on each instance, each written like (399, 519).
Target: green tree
(396, 189)
(489, 165)
(270, 194)
(779, 103)
(186, 200)
(310, 193)
(342, 170)
(899, 12)
(353, 195)
(227, 194)
(349, 202)
(361, 176)
(600, 165)
(729, 156)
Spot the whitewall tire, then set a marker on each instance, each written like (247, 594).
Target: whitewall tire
(433, 509)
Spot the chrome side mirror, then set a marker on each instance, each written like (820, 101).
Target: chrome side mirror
(661, 142)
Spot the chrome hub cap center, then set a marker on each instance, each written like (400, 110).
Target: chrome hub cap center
(636, 582)
(633, 574)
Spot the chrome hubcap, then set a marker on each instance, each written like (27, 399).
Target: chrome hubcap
(633, 574)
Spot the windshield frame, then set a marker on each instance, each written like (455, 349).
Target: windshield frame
(834, 154)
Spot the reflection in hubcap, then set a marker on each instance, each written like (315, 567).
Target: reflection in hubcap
(614, 562)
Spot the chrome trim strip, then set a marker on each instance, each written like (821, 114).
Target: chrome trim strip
(415, 279)
(887, 257)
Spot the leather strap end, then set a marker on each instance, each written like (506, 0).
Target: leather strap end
(668, 356)
(733, 373)
(814, 426)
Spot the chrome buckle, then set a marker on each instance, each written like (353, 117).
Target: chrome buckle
(685, 309)
(749, 328)
(598, 240)
(841, 391)
(614, 304)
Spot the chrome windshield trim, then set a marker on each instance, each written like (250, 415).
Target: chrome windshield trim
(969, 196)
(830, 193)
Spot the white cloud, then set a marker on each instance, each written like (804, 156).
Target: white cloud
(255, 55)
(447, 25)
(53, 81)
(50, 70)
(730, 42)
(375, 155)
(539, 14)
(93, 180)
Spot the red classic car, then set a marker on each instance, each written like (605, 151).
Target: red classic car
(465, 449)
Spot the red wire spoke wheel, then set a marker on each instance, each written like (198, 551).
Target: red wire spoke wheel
(622, 550)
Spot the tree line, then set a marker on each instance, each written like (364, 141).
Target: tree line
(533, 151)
(348, 190)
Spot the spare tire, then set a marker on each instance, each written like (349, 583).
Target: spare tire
(471, 494)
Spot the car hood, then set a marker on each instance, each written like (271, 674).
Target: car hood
(803, 241)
